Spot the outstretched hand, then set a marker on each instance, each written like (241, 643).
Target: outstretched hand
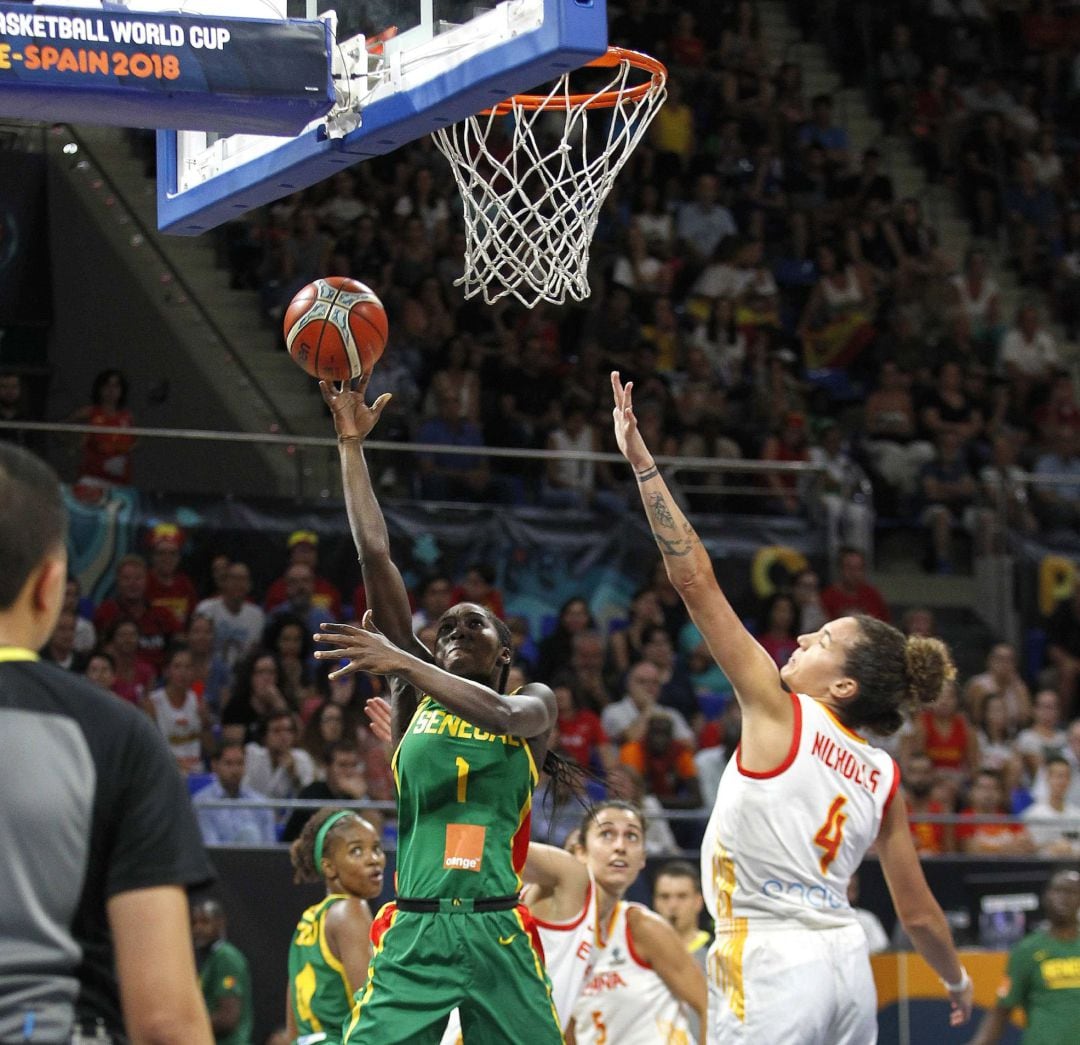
(364, 646)
(628, 437)
(377, 710)
(353, 418)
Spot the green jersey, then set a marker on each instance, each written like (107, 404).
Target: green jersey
(1044, 980)
(320, 993)
(464, 805)
(225, 974)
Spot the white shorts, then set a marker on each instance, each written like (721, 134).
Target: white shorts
(798, 987)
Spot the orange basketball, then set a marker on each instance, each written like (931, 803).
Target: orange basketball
(335, 328)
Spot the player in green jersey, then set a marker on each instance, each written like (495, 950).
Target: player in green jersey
(330, 950)
(224, 975)
(1043, 974)
(466, 764)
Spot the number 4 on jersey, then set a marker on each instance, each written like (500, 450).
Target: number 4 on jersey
(830, 835)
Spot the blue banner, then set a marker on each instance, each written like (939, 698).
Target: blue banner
(168, 70)
(541, 557)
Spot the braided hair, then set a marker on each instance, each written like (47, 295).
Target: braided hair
(568, 778)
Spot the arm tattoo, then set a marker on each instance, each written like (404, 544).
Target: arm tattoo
(677, 549)
(649, 473)
(660, 511)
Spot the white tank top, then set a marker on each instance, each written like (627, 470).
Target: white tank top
(569, 951)
(576, 473)
(975, 308)
(180, 726)
(569, 948)
(624, 1001)
(846, 295)
(781, 847)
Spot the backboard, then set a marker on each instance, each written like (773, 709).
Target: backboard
(401, 69)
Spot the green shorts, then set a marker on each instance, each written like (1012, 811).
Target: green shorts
(488, 965)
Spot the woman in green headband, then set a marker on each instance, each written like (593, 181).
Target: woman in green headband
(330, 950)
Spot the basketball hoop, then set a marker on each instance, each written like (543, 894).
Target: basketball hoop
(532, 203)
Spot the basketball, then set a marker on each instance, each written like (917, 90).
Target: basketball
(335, 328)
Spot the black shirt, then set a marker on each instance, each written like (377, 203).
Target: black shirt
(92, 807)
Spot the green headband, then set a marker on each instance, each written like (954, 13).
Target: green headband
(320, 836)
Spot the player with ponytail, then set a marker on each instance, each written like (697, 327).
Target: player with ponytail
(330, 949)
(800, 804)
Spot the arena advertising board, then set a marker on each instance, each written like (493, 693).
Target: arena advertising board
(136, 69)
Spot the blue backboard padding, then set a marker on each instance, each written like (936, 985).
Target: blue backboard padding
(230, 75)
(572, 34)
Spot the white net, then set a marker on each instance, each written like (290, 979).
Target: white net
(534, 173)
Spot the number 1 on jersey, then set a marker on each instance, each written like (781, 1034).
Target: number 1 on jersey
(462, 777)
(830, 835)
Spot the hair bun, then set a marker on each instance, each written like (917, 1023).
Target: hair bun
(928, 667)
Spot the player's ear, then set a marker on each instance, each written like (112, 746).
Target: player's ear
(844, 688)
(47, 584)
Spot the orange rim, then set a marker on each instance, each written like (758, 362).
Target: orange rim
(606, 99)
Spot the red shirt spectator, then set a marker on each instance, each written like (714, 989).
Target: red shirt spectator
(166, 587)
(945, 736)
(106, 458)
(156, 626)
(304, 548)
(930, 839)
(988, 798)
(133, 676)
(851, 593)
(478, 585)
(581, 736)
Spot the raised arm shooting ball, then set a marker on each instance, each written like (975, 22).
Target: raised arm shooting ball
(335, 328)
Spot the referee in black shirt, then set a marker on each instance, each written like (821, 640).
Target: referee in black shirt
(97, 839)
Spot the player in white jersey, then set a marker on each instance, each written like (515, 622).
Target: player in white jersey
(800, 804)
(644, 986)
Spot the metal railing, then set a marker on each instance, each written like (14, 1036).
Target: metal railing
(1068, 825)
(326, 446)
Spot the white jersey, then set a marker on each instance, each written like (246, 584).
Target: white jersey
(569, 950)
(625, 1000)
(181, 727)
(781, 847)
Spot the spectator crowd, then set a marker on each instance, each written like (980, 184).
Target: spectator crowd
(643, 709)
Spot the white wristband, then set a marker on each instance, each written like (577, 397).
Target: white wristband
(956, 988)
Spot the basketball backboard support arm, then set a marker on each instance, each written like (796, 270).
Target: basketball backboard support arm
(429, 77)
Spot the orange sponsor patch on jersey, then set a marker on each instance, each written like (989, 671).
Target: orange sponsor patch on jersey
(464, 847)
